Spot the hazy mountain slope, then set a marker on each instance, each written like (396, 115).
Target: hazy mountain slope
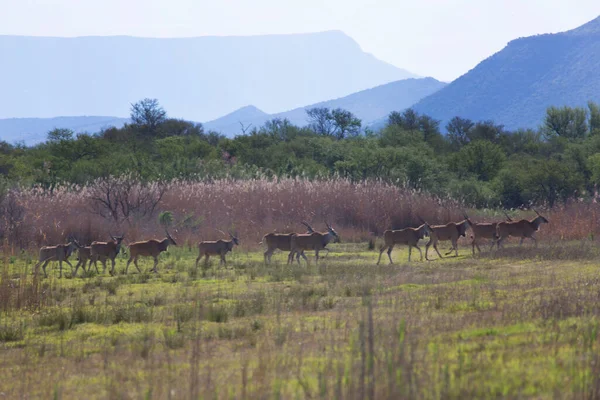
(34, 130)
(516, 85)
(369, 105)
(193, 78)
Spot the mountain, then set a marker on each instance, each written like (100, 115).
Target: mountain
(369, 105)
(34, 130)
(516, 85)
(197, 78)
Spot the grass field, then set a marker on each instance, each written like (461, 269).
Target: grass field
(522, 323)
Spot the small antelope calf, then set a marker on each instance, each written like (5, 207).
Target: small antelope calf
(311, 241)
(523, 229)
(280, 241)
(216, 248)
(148, 248)
(58, 253)
(407, 236)
(105, 251)
(451, 231)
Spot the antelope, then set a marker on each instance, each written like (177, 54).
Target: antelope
(105, 251)
(216, 248)
(523, 229)
(58, 253)
(280, 241)
(311, 241)
(486, 230)
(83, 256)
(148, 248)
(451, 231)
(407, 236)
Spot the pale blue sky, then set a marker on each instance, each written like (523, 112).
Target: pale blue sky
(440, 38)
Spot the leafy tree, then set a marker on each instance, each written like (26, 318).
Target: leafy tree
(594, 122)
(480, 158)
(566, 122)
(320, 121)
(458, 131)
(60, 135)
(148, 115)
(345, 123)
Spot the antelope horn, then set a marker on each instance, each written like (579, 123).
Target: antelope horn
(230, 234)
(507, 216)
(306, 224)
(422, 220)
(535, 211)
(465, 215)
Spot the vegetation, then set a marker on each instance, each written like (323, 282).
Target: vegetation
(519, 323)
(479, 163)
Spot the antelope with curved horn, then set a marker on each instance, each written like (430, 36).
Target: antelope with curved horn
(523, 229)
(280, 241)
(451, 231)
(58, 253)
(105, 251)
(216, 248)
(311, 241)
(407, 236)
(148, 248)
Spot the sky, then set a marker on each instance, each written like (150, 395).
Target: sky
(439, 38)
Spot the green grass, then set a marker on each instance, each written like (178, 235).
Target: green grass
(519, 323)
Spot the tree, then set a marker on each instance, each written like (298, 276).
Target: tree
(458, 131)
(165, 219)
(148, 115)
(60, 135)
(407, 120)
(345, 123)
(566, 122)
(594, 122)
(320, 120)
(480, 158)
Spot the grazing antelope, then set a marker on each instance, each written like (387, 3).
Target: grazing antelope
(523, 229)
(407, 236)
(216, 248)
(484, 230)
(148, 248)
(105, 251)
(58, 253)
(280, 241)
(311, 241)
(451, 231)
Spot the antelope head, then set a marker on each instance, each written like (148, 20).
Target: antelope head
(331, 231)
(234, 238)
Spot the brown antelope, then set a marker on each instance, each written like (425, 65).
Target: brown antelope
(216, 248)
(523, 229)
(451, 231)
(280, 241)
(105, 251)
(485, 230)
(407, 236)
(58, 253)
(311, 241)
(148, 248)
(83, 256)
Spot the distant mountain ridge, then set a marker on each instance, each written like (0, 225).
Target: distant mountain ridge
(197, 78)
(515, 86)
(34, 130)
(368, 105)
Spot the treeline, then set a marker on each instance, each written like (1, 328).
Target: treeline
(476, 161)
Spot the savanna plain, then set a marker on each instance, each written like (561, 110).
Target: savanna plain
(518, 323)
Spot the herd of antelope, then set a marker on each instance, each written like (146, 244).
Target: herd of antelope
(295, 243)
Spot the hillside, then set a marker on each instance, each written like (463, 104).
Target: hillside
(369, 105)
(197, 79)
(516, 85)
(34, 130)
